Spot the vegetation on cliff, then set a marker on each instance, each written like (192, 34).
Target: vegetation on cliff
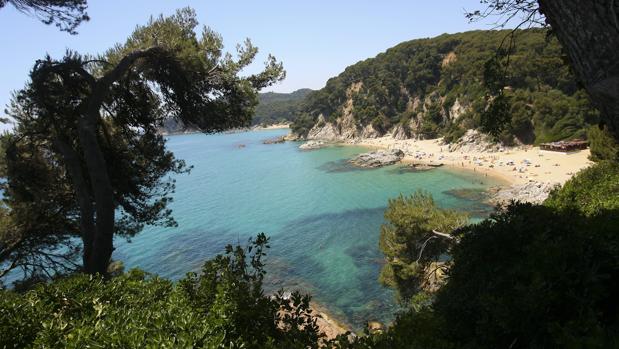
(435, 87)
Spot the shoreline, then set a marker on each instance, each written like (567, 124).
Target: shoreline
(513, 166)
(327, 323)
(236, 130)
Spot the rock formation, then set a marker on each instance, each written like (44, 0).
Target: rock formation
(378, 158)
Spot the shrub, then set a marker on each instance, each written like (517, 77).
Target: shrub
(222, 307)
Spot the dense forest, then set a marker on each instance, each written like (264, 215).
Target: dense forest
(276, 107)
(272, 108)
(438, 87)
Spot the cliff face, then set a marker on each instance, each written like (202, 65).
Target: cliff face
(429, 88)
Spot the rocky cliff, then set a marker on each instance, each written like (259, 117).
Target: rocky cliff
(429, 88)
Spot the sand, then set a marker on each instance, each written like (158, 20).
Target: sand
(271, 127)
(516, 165)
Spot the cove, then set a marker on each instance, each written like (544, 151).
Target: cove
(323, 216)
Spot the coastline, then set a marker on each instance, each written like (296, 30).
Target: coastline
(236, 130)
(514, 166)
(326, 323)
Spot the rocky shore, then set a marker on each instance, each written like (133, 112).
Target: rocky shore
(311, 145)
(275, 140)
(378, 158)
(533, 192)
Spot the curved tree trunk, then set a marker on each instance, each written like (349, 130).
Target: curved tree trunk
(102, 243)
(589, 31)
(98, 251)
(87, 223)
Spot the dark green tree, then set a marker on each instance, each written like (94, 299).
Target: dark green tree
(602, 144)
(66, 15)
(91, 125)
(417, 234)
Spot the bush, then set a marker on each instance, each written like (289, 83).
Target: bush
(534, 277)
(222, 307)
(592, 191)
(603, 146)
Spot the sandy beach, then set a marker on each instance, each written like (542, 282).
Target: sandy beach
(271, 127)
(517, 165)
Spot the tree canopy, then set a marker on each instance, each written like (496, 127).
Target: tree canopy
(412, 243)
(85, 159)
(66, 15)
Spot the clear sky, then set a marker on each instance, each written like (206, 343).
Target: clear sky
(315, 39)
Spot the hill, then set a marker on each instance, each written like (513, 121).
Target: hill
(279, 107)
(434, 87)
(272, 108)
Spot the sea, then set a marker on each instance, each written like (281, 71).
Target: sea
(323, 216)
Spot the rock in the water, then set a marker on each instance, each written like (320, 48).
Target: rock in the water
(378, 158)
(423, 167)
(311, 145)
(275, 140)
(533, 192)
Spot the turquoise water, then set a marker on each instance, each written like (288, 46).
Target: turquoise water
(323, 216)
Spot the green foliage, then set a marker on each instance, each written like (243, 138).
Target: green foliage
(591, 192)
(66, 15)
(532, 96)
(222, 307)
(602, 144)
(530, 276)
(279, 107)
(86, 141)
(409, 244)
(496, 117)
(303, 124)
(534, 277)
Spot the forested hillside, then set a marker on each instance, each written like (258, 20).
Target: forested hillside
(276, 107)
(272, 108)
(435, 87)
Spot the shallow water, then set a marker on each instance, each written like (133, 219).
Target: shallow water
(322, 215)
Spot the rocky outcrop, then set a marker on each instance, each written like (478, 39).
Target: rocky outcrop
(369, 132)
(291, 137)
(378, 158)
(474, 141)
(347, 126)
(275, 140)
(323, 130)
(311, 145)
(456, 110)
(533, 192)
(400, 132)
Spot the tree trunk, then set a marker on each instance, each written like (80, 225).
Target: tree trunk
(87, 223)
(589, 31)
(102, 244)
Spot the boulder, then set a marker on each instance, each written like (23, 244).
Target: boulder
(378, 158)
(533, 192)
(311, 145)
(400, 132)
(474, 141)
(370, 132)
(275, 140)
